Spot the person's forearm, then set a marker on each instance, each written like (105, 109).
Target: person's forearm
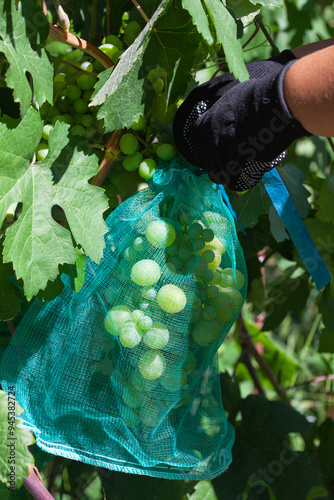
(309, 48)
(309, 91)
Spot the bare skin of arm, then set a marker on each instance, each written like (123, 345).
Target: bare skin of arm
(309, 87)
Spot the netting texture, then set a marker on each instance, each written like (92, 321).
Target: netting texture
(124, 374)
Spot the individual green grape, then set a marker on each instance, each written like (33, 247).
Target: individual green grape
(149, 417)
(109, 50)
(130, 254)
(209, 312)
(129, 417)
(128, 143)
(160, 233)
(172, 249)
(73, 92)
(171, 298)
(80, 106)
(158, 85)
(157, 336)
(90, 132)
(131, 397)
(208, 275)
(113, 40)
(212, 291)
(131, 31)
(63, 119)
(78, 130)
(115, 57)
(166, 152)
(129, 336)
(138, 244)
(198, 244)
(54, 111)
(145, 323)
(174, 380)
(228, 278)
(116, 319)
(225, 307)
(137, 315)
(216, 261)
(87, 95)
(208, 235)
(201, 267)
(190, 364)
(86, 120)
(184, 253)
(139, 124)
(147, 168)
(205, 332)
(208, 255)
(145, 272)
(132, 162)
(77, 118)
(63, 105)
(152, 365)
(86, 82)
(87, 66)
(42, 151)
(46, 131)
(195, 230)
(156, 78)
(235, 296)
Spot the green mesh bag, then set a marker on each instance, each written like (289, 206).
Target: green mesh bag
(124, 374)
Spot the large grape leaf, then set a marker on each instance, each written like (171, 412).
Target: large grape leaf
(262, 455)
(200, 19)
(125, 93)
(251, 204)
(36, 243)
(14, 443)
(21, 33)
(226, 33)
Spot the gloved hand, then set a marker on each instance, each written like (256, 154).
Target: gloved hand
(237, 131)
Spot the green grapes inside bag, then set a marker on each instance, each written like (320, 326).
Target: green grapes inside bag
(124, 374)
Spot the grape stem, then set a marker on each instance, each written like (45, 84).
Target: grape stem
(60, 35)
(258, 20)
(140, 10)
(246, 342)
(64, 21)
(35, 486)
(112, 151)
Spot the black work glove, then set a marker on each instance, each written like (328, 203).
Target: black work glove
(237, 131)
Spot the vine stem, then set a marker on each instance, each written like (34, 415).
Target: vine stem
(258, 20)
(112, 151)
(94, 26)
(60, 35)
(246, 340)
(35, 487)
(322, 378)
(140, 10)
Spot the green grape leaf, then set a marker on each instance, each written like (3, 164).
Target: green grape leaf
(288, 297)
(243, 8)
(126, 82)
(163, 46)
(36, 243)
(200, 19)
(293, 177)
(21, 33)
(203, 491)
(326, 343)
(250, 205)
(326, 201)
(262, 453)
(10, 295)
(226, 33)
(277, 227)
(15, 457)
